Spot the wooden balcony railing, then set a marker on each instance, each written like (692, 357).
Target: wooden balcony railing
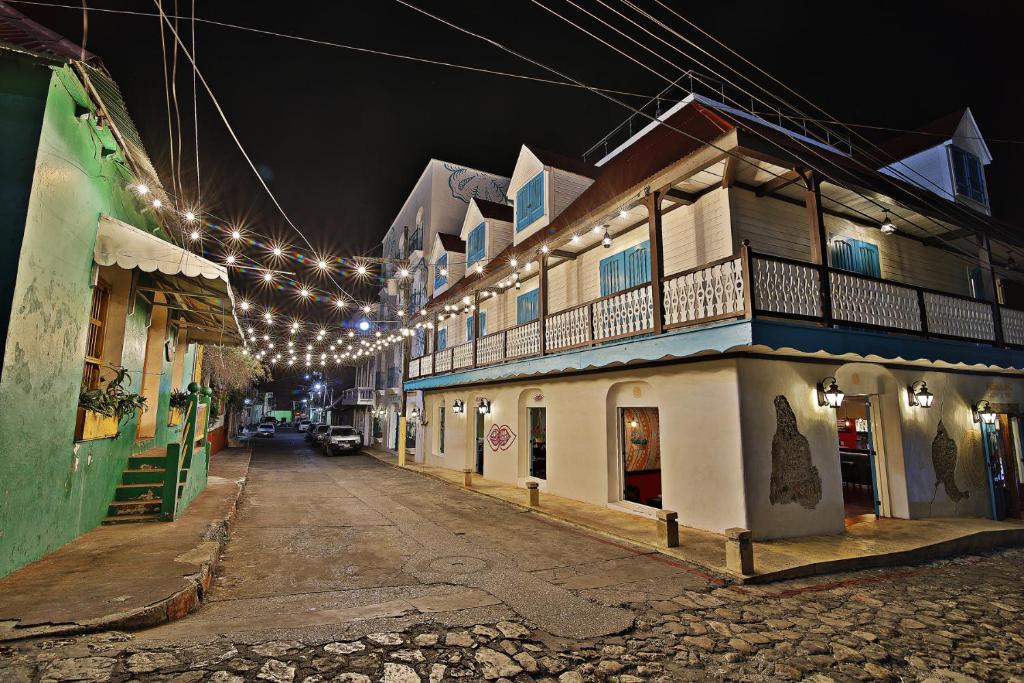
(745, 285)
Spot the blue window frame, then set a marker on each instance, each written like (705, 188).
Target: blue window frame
(469, 326)
(530, 202)
(527, 307)
(442, 339)
(476, 244)
(969, 176)
(628, 268)
(855, 256)
(440, 280)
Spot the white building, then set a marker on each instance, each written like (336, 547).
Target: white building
(666, 329)
(436, 204)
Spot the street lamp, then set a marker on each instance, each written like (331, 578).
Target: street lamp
(829, 393)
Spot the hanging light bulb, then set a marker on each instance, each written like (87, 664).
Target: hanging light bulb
(887, 227)
(230, 260)
(236, 235)
(189, 216)
(606, 241)
(544, 249)
(194, 235)
(277, 251)
(623, 213)
(514, 263)
(321, 264)
(157, 203)
(404, 272)
(366, 309)
(245, 307)
(339, 303)
(304, 292)
(575, 239)
(268, 276)
(361, 270)
(142, 188)
(597, 229)
(479, 268)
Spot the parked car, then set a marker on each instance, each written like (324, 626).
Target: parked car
(311, 431)
(318, 432)
(302, 425)
(342, 439)
(266, 430)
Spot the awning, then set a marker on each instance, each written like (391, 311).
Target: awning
(196, 289)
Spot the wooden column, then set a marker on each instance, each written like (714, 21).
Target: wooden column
(657, 262)
(476, 323)
(819, 239)
(986, 261)
(542, 298)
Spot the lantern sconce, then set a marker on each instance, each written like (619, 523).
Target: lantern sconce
(918, 395)
(829, 393)
(483, 406)
(983, 412)
(414, 413)
(458, 406)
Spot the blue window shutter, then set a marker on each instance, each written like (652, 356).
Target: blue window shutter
(469, 328)
(476, 245)
(483, 323)
(637, 265)
(521, 211)
(841, 253)
(440, 280)
(442, 339)
(868, 261)
(527, 306)
(530, 202)
(855, 256)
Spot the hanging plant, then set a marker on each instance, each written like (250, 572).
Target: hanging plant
(113, 400)
(179, 399)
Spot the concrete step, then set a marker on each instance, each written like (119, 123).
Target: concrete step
(129, 519)
(133, 491)
(137, 475)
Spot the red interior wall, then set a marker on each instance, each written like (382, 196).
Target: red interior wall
(649, 484)
(218, 439)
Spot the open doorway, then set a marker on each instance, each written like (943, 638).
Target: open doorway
(479, 442)
(640, 439)
(857, 457)
(538, 443)
(1005, 465)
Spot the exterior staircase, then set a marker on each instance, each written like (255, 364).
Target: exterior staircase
(153, 482)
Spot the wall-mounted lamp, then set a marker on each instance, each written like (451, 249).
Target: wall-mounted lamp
(483, 406)
(829, 393)
(458, 407)
(918, 395)
(414, 413)
(983, 412)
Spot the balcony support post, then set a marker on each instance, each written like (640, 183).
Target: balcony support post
(986, 262)
(476, 323)
(542, 305)
(657, 262)
(819, 240)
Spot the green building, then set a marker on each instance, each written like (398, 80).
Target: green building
(91, 282)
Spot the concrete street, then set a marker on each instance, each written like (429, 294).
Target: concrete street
(346, 569)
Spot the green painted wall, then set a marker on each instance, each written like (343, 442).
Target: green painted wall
(51, 489)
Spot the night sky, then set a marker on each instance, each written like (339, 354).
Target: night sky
(343, 136)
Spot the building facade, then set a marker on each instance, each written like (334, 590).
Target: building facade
(741, 322)
(87, 291)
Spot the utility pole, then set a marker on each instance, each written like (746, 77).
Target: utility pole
(403, 297)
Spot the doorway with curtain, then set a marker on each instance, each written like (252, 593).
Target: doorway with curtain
(640, 449)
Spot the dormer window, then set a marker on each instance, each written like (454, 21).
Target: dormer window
(476, 244)
(441, 271)
(530, 202)
(968, 175)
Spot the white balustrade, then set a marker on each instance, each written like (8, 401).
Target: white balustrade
(712, 292)
(566, 329)
(523, 340)
(629, 312)
(490, 349)
(1013, 326)
(958, 317)
(789, 288)
(443, 360)
(414, 368)
(462, 355)
(872, 302)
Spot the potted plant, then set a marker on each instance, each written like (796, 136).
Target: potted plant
(105, 408)
(177, 403)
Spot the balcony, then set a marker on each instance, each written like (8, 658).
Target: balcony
(378, 381)
(357, 396)
(747, 286)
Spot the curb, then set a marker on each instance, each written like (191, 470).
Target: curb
(177, 605)
(976, 542)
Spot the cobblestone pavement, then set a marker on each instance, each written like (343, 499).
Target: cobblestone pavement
(954, 620)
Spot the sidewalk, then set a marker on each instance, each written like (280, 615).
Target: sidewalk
(127, 576)
(867, 543)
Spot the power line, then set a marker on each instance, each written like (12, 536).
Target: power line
(344, 46)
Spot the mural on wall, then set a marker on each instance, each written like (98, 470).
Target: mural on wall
(500, 437)
(795, 479)
(466, 184)
(642, 439)
(944, 460)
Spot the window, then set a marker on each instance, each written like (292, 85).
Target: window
(855, 256)
(527, 307)
(476, 244)
(469, 326)
(94, 337)
(442, 339)
(530, 202)
(440, 430)
(439, 267)
(415, 241)
(968, 174)
(629, 268)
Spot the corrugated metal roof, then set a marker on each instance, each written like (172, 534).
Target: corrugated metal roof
(18, 30)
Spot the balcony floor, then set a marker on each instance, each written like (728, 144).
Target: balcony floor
(867, 542)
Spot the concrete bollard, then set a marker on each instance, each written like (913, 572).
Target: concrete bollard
(668, 528)
(739, 551)
(533, 491)
(467, 477)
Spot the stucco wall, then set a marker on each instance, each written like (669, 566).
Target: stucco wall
(52, 490)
